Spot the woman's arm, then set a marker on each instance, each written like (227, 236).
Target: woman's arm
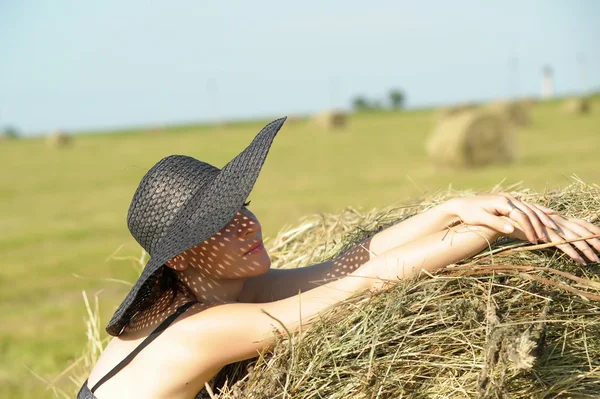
(476, 210)
(436, 219)
(282, 283)
(248, 328)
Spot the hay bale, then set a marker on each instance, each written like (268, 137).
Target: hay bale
(516, 112)
(471, 139)
(477, 331)
(331, 119)
(59, 139)
(576, 106)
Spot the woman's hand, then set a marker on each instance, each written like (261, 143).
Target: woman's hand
(529, 221)
(569, 229)
(490, 211)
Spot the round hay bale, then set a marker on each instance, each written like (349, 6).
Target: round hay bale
(516, 112)
(519, 324)
(59, 139)
(331, 119)
(516, 324)
(576, 105)
(471, 139)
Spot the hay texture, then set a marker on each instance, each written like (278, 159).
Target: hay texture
(520, 324)
(59, 139)
(576, 106)
(516, 112)
(471, 139)
(515, 321)
(331, 119)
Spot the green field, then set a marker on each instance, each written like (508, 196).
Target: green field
(63, 211)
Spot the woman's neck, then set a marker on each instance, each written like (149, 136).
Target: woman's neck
(210, 290)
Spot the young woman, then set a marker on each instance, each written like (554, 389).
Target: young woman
(209, 278)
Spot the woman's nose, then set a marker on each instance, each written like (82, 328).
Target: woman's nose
(246, 226)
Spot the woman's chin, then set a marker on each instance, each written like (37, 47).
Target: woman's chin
(261, 266)
(248, 267)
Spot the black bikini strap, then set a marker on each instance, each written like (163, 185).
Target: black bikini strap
(157, 331)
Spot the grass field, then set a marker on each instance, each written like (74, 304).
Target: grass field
(63, 210)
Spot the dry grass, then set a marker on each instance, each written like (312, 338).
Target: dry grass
(516, 321)
(78, 371)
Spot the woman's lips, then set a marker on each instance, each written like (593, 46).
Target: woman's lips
(255, 248)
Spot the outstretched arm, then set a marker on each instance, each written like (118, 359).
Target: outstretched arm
(487, 211)
(247, 328)
(282, 283)
(501, 213)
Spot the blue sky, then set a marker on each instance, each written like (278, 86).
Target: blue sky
(78, 65)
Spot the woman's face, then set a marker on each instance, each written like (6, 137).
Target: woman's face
(235, 252)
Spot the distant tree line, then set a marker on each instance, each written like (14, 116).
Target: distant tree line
(395, 101)
(9, 132)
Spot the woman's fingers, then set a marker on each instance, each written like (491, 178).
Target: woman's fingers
(573, 231)
(543, 216)
(494, 222)
(536, 222)
(584, 229)
(533, 222)
(566, 248)
(590, 226)
(510, 210)
(546, 210)
(517, 232)
(526, 218)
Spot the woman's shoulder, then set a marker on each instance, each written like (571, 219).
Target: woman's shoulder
(182, 346)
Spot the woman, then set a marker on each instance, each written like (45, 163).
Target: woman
(208, 297)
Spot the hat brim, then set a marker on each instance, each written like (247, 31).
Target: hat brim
(204, 214)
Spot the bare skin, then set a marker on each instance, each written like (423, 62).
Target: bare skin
(240, 296)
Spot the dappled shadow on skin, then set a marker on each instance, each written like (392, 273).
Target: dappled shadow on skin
(211, 273)
(350, 261)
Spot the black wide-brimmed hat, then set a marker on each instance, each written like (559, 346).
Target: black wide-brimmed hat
(182, 202)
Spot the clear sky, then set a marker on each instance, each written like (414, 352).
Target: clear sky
(79, 65)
